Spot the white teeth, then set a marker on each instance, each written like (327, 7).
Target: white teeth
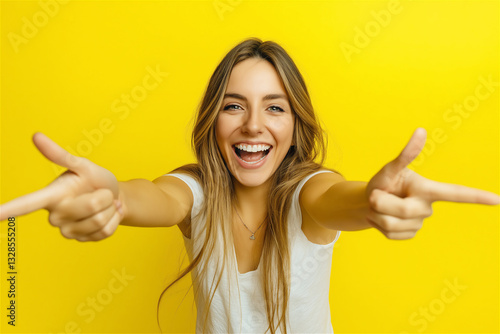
(253, 148)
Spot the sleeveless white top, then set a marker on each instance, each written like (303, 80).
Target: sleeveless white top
(240, 307)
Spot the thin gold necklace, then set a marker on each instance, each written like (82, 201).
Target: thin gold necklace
(252, 237)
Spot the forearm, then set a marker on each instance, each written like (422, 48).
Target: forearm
(146, 205)
(343, 206)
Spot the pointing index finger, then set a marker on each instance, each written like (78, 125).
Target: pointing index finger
(439, 191)
(28, 203)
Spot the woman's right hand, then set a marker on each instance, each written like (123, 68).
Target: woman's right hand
(84, 202)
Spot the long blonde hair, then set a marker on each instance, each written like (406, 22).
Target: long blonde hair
(310, 142)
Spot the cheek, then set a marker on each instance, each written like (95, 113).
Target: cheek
(223, 129)
(219, 126)
(282, 128)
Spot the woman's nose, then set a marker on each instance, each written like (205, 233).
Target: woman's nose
(253, 123)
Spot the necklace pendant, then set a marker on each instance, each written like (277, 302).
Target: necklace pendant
(252, 237)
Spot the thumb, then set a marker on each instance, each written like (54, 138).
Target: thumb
(95, 175)
(57, 154)
(409, 153)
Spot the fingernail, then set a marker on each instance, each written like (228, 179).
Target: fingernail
(118, 205)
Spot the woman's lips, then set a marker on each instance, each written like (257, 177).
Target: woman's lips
(251, 165)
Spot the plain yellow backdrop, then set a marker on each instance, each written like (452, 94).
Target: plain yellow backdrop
(375, 70)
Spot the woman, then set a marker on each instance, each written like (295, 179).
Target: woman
(258, 215)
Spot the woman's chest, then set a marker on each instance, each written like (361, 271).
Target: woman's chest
(248, 246)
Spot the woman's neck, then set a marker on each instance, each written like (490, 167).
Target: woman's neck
(251, 202)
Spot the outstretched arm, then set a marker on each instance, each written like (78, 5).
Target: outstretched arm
(166, 201)
(335, 203)
(395, 201)
(87, 202)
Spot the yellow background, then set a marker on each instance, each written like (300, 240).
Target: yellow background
(65, 78)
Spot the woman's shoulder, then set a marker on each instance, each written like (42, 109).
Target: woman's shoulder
(184, 184)
(190, 174)
(192, 171)
(316, 183)
(324, 174)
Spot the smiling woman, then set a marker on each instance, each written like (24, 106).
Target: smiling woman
(256, 141)
(259, 213)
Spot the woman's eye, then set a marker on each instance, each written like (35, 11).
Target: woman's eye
(230, 106)
(234, 107)
(277, 108)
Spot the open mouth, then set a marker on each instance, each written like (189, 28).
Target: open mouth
(251, 157)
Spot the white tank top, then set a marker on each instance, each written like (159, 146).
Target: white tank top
(244, 311)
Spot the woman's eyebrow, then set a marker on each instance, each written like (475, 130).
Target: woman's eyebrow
(265, 98)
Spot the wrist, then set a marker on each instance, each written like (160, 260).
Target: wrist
(122, 207)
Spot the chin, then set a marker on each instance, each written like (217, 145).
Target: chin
(252, 181)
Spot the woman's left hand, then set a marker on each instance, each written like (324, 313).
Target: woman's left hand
(400, 199)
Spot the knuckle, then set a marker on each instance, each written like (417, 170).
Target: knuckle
(430, 211)
(418, 225)
(54, 219)
(107, 195)
(374, 201)
(94, 204)
(406, 211)
(105, 233)
(429, 190)
(412, 234)
(395, 236)
(66, 232)
(387, 224)
(424, 209)
(384, 224)
(108, 230)
(390, 235)
(75, 161)
(99, 220)
(82, 162)
(99, 235)
(407, 235)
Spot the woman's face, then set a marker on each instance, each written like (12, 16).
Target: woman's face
(255, 116)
